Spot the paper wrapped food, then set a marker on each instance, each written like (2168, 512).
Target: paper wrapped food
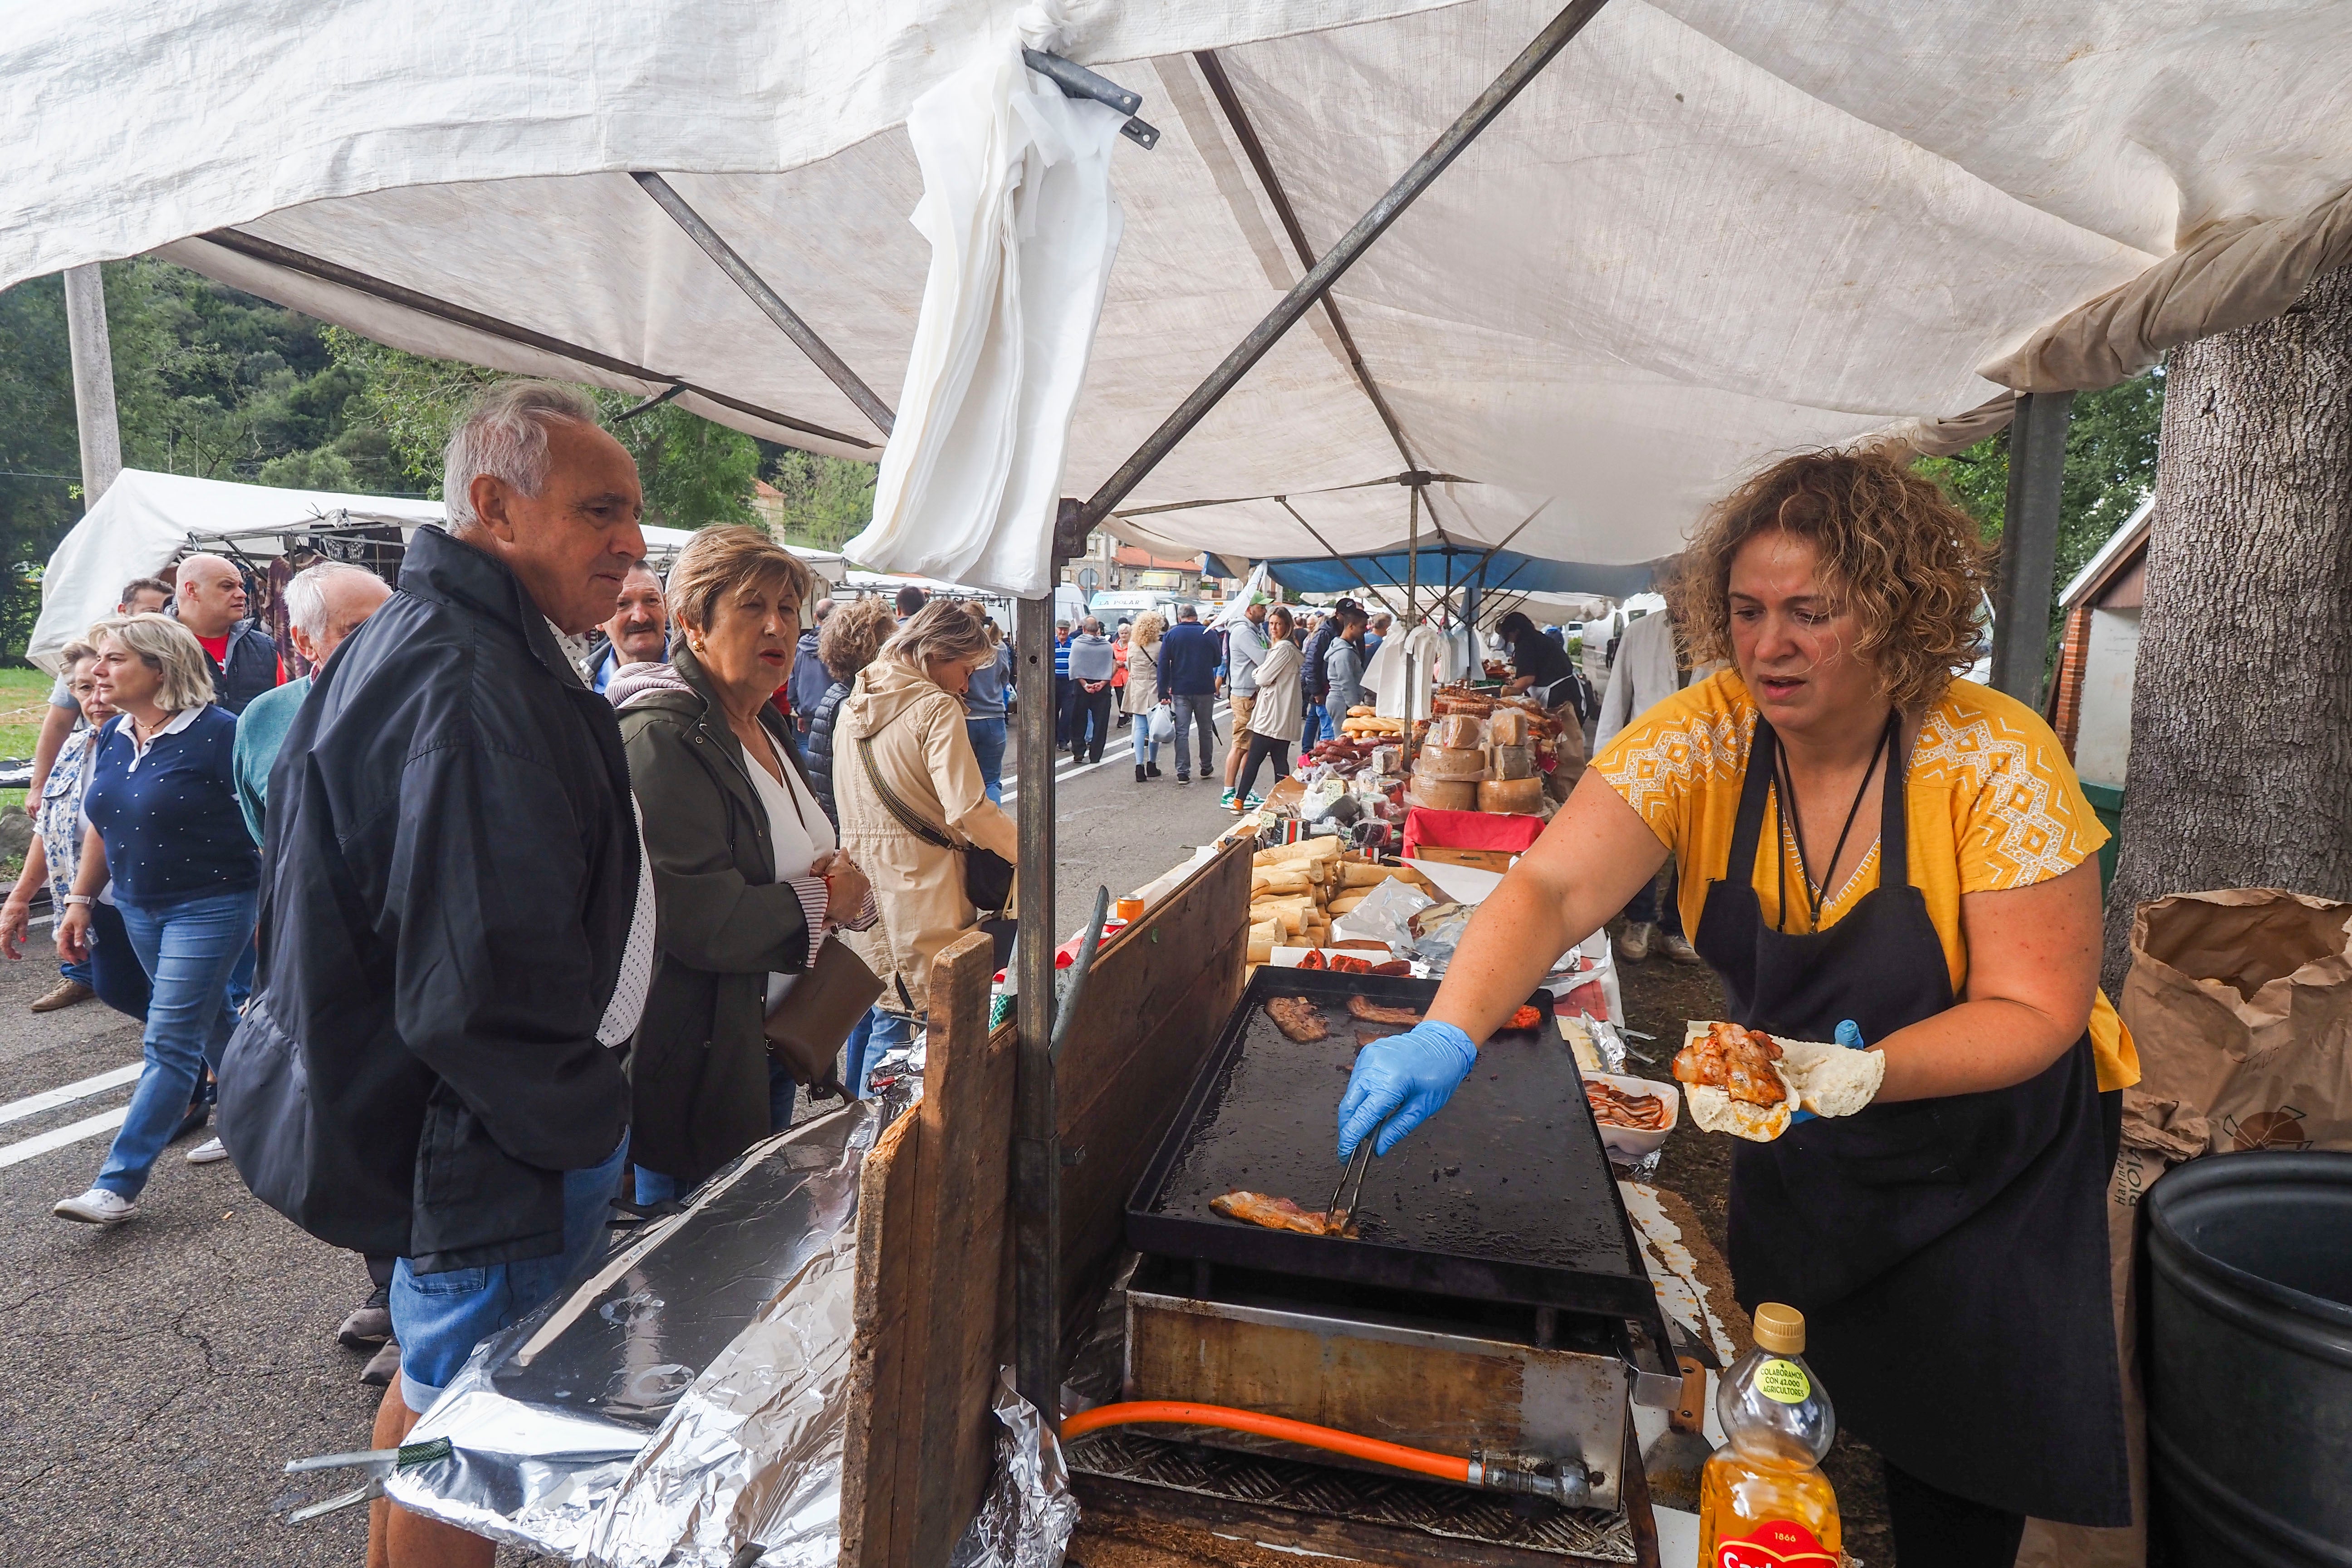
(1749, 1084)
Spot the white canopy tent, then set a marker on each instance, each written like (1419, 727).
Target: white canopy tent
(146, 520)
(1707, 233)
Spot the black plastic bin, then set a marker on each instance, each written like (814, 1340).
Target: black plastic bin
(2248, 1332)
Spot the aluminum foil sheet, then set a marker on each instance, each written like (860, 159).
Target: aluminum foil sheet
(1026, 1519)
(688, 1397)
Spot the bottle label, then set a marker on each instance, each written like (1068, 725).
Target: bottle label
(1784, 1381)
(1779, 1544)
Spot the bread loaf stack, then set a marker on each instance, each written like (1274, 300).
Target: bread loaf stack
(1296, 890)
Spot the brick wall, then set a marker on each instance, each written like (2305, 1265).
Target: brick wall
(2065, 705)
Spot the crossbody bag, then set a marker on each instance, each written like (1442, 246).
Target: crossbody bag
(987, 876)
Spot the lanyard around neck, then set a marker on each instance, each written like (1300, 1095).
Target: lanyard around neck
(1789, 820)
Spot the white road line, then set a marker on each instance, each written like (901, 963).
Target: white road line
(58, 1137)
(33, 1105)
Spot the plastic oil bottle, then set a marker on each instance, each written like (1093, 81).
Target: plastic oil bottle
(1763, 1500)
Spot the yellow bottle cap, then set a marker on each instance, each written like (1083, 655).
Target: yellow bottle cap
(1779, 1329)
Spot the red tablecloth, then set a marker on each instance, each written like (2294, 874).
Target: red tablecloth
(1504, 830)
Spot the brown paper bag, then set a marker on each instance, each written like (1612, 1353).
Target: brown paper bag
(2240, 1002)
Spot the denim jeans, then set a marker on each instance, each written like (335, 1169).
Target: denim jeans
(115, 971)
(1200, 709)
(439, 1318)
(988, 749)
(1319, 726)
(1147, 749)
(190, 947)
(876, 1035)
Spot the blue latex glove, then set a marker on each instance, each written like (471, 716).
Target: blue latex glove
(1411, 1074)
(1849, 1035)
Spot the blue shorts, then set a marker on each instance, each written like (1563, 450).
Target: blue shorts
(439, 1318)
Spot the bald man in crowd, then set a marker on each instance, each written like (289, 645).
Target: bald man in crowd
(324, 605)
(211, 600)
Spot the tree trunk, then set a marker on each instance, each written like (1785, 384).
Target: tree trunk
(2241, 771)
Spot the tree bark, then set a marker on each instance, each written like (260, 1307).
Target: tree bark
(2241, 771)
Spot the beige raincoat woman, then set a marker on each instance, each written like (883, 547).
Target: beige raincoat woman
(915, 731)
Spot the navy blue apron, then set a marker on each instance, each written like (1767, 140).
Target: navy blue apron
(1951, 1256)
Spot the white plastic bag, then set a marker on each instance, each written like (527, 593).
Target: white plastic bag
(1163, 724)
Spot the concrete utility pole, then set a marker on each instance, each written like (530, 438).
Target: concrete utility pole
(93, 374)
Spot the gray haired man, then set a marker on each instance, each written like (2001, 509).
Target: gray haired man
(456, 931)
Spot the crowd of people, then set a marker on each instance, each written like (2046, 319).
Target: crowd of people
(485, 920)
(499, 901)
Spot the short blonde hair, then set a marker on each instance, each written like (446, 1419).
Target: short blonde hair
(730, 560)
(170, 649)
(942, 629)
(72, 654)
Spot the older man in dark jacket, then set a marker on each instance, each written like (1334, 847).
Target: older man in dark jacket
(456, 928)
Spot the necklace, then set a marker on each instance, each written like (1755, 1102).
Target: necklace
(1784, 806)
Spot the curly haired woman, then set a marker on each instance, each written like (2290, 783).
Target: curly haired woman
(1875, 852)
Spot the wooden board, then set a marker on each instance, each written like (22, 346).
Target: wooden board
(932, 1318)
(1151, 1010)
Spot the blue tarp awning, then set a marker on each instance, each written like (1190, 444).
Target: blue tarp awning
(1443, 566)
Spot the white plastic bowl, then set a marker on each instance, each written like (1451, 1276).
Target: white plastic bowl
(1631, 1144)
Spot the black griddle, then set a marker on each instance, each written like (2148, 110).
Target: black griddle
(1504, 1195)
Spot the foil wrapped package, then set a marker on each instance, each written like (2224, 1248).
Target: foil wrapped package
(1027, 1517)
(688, 1397)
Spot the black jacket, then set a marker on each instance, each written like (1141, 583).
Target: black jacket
(251, 669)
(807, 682)
(447, 880)
(1313, 679)
(700, 1065)
(816, 758)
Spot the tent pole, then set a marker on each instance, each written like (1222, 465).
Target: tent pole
(93, 379)
(1325, 544)
(1222, 86)
(1482, 112)
(820, 352)
(1036, 1156)
(276, 255)
(2028, 543)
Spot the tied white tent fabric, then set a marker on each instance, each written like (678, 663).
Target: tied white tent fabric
(1022, 227)
(1709, 233)
(145, 520)
(1255, 590)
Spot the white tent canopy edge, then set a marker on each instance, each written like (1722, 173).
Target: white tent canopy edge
(1709, 233)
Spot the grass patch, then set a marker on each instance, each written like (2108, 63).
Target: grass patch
(24, 703)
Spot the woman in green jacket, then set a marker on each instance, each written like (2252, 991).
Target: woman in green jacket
(748, 875)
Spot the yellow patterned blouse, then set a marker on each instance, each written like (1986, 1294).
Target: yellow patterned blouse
(1992, 801)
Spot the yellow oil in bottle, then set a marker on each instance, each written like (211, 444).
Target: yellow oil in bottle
(1763, 1500)
(1740, 1499)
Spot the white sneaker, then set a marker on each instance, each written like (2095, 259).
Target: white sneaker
(1633, 942)
(98, 1207)
(208, 1152)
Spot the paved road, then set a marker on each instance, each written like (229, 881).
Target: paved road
(157, 1376)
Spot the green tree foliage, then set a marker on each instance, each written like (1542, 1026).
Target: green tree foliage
(40, 453)
(827, 502)
(2110, 468)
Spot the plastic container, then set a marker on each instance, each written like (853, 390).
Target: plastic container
(1762, 1496)
(2248, 1330)
(1631, 1144)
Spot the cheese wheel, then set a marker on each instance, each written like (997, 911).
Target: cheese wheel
(1461, 731)
(1522, 796)
(1449, 762)
(1441, 795)
(1507, 727)
(1514, 761)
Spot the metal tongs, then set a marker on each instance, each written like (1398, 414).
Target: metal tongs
(380, 1464)
(1339, 1216)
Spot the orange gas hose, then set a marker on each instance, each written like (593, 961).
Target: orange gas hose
(1444, 1467)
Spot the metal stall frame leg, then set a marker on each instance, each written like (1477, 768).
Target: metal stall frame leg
(2028, 543)
(1036, 1156)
